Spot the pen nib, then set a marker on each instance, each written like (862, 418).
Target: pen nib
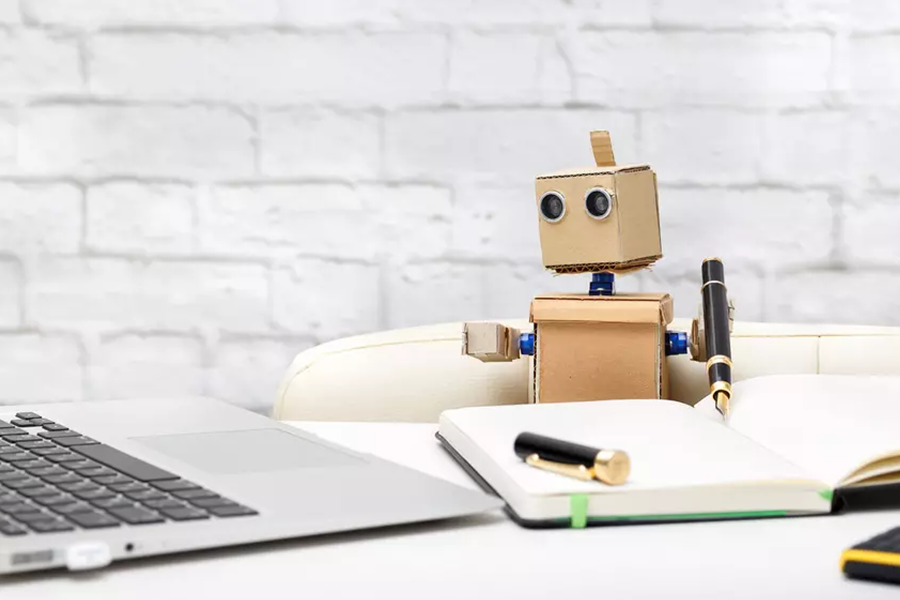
(722, 404)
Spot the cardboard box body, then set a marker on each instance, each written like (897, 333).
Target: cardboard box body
(600, 347)
(628, 238)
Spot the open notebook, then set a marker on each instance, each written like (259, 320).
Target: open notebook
(790, 443)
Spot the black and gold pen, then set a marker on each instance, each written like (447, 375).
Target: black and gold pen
(573, 460)
(716, 324)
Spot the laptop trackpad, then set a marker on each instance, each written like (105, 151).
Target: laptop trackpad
(247, 451)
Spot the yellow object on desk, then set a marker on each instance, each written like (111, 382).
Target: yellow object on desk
(877, 558)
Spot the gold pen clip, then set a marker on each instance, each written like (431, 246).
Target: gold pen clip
(577, 471)
(611, 467)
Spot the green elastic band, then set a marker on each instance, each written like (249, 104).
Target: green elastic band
(578, 504)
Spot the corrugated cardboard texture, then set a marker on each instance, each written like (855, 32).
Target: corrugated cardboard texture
(490, 342)
(621, 308)
(606, 170)
(627, 240)
(600, 347)
(638, 215)
(601, 146)
(619, 268)
(578, 237)
(598, 361)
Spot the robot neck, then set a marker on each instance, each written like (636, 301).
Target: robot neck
(603, 284)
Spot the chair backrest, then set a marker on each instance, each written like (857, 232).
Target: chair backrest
(414, 374)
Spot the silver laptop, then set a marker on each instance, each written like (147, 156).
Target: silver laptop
(82, 485)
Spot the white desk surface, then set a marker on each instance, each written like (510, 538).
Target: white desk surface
(491, 557)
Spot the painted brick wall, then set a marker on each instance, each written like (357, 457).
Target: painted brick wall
(191, 192)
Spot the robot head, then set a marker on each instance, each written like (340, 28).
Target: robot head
(603, 218)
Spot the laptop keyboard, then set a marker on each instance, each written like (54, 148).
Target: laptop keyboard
(53, 479)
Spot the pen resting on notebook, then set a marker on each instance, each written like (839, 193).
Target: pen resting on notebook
(573, 460)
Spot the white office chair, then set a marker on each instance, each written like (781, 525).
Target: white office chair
(414, 374)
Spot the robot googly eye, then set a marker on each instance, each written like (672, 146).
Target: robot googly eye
(553, 207)
(598, 203)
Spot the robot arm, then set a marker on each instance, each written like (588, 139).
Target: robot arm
(493, 342)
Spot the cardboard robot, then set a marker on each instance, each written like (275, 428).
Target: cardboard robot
(601, 345)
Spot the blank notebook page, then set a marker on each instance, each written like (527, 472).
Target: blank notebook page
(670, 444)
(829, 425)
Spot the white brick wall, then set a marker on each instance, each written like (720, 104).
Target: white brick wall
(102, 139)
(191, 192)
(10, 294)
(40, 218)
(156, 364)
(140, 218)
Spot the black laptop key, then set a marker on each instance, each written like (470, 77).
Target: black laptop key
(135, 515)
(9, 528)
(5, 425)
(4, 468)
(57, 434)
(23, 437)
(21, 484)
(64, 478)
(191, 494)
(54, 427)
(184, 513)
(34, 463)
(36, 444)
(98, 471)
(96, 494)
(35, 515)
(82, 466)
(11, 437)
(71, 508)
(146, 495)
(9, 497)
(41, 490)
(48, 451)
(64, 458)
(56, 500)
(12, 476)
(111, 479)
(124, 463)
(231, 510)
(69, 442)
(15, 457)
(41, 422)
(79, 486)
(165, 503)
(114, 502)
(23, 423)
(211, 502)
(19, 509)
(93, 520)
(27, 415)
(48, 472)
(174, 484)
(132, 486)
(50, 526)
